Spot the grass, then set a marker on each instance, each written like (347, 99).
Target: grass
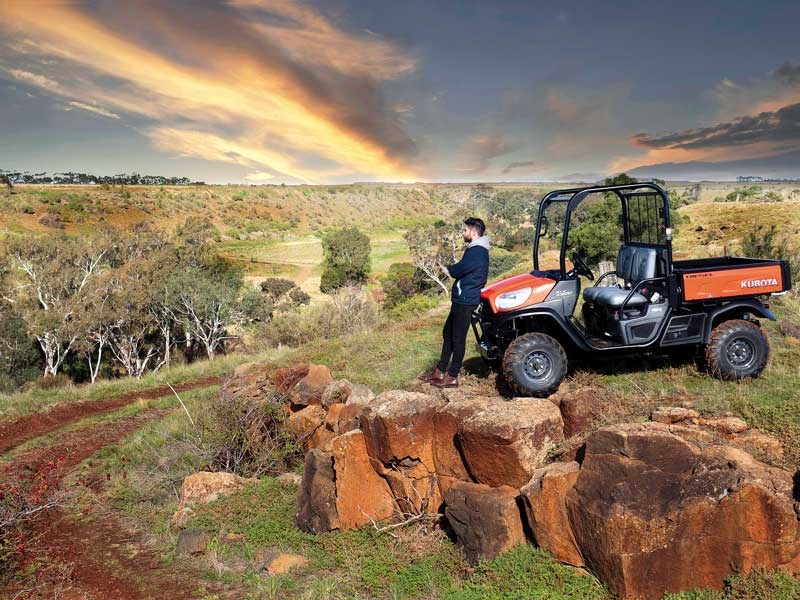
(18, 404)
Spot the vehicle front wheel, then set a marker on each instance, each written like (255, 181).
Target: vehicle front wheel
(534, 365)
(738, 349)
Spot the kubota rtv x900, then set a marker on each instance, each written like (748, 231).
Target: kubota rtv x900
(655, 305)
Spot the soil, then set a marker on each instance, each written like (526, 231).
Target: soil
(35, 425)
(94, 553)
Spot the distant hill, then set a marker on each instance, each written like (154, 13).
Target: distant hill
(784, 166)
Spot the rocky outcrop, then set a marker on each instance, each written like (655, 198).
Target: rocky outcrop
(544, 499)
(658, 508)
(505, 442)
(316, 496)
(582, 410)
(486, 520)
(204, 487)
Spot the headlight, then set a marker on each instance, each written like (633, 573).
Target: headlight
(512, 299)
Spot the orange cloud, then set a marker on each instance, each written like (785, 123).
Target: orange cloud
(227, 83)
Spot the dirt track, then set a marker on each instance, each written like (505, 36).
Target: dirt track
(96, 554)
(38, 424)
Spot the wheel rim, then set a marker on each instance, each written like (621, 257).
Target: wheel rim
(538, 366)
(741, 353)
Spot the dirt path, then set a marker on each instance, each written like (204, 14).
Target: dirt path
(95, 554)
(38, 424)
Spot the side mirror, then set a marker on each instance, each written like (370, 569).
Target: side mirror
(544, 227)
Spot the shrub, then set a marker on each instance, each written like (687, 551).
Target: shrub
(501, 261)
(413, 306)
(247, 437)
(52, 219)
(283, 293)
(401, 282)
(347, 259)
(348, 311)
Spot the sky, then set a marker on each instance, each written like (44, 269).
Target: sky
(337, 91)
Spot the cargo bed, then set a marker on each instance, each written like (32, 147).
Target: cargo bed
(706, 279)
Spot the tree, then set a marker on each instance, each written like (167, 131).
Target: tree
(432, 248)
(95, 322)
(207, 304)
(347, 259)
(54, 271)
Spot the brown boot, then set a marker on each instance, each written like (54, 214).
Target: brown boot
(434, 375)
(446, 382)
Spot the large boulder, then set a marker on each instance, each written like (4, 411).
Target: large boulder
(485, 520)
(544, 498)
(284, 379)
(504, 443)
(659, 508)
(362, 496)
(304, 425)
(309, 389)
(248, 382)
(205, 487)
(341, 390)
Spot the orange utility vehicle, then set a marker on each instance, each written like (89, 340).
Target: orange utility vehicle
(651, 304)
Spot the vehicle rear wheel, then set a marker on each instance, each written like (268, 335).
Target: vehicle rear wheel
(534, 365)
(738, 349)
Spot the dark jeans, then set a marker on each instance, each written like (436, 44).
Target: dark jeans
(454, 338)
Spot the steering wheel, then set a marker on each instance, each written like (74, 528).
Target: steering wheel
(581, 268)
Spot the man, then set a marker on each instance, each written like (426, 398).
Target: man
(470, 275)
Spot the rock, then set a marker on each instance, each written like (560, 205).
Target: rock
(342, 418)
(310, 388)
(362, 496)
(754, 441)
(399, 426)
(727, 425)
(230, 539)
(192, 542)
(289, 479)
(506, 442)
(673, 414)
(657, 509)
(446, 454)
(339, 392)
(204, 487)
(544, 498)
(399, 431)
(303, 423)
(582, 410)
(283, 563)
(486, 520)
(250, 381)
(286, 378)
(316, 496)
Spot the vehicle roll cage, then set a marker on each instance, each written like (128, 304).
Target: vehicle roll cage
(574, 196)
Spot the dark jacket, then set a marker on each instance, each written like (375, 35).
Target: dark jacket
(470, 273)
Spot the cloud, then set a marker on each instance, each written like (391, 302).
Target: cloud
(781, 126)
(90, 108)
(481, 149)
(273, 85)
(36, 80)
(756, 118)
(530, 165)
(788, 73)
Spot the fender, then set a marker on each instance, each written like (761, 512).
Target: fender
(550, 314)
(750, 305)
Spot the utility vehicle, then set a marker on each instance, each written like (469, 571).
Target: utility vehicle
(651, 304)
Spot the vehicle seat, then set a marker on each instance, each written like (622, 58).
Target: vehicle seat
(633, 265)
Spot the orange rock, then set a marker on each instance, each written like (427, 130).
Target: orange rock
(673, 414)
(362, 496)
(582, 410)
(447, 457)
(485, 520)
(316, 495)
(310, 388)
(286, 378)
(506, 442)
(544, 498)
(342, 418)
(280, 563)
(305, 422)
(653, 512)
(205, 487)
